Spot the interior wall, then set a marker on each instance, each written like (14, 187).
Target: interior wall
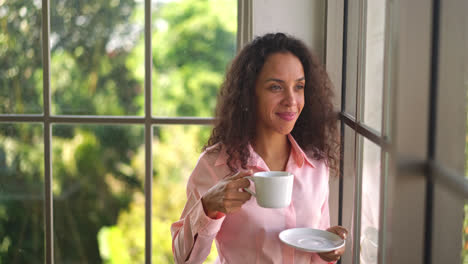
(304, 19)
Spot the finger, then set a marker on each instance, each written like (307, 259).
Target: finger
(327, 257)
(236, 195)
(340, 251)
(232, 205)
(342, 230)
(238, 183)
(240, 174)
(339, 230)
(343, 233)
(334, 253)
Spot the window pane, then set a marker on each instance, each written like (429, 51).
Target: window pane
(98, 179)
(21, 193)
(193, 42)
(370, 203)
(20, 57)
(97, 57)
(374, 64)
(177, 149)
(349, 182)
(352, 50)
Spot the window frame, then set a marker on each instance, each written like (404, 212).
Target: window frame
(395, 163)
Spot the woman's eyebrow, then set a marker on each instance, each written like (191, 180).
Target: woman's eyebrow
(282, 81)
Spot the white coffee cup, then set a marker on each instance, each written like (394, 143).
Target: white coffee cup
(273, 189)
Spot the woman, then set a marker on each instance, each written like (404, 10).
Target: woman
(274, 112)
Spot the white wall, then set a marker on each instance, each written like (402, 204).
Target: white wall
(304, 19)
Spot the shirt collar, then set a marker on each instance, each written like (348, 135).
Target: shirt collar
(256, 161)
(299, 156)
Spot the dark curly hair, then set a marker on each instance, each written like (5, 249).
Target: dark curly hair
(316, 128)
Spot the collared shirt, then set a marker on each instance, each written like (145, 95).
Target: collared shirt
(250, 235)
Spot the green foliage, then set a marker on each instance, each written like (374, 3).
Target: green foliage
(97, 68)
(173, 165)
(199, 41)
(21, 207)
(20, 57)
(93, 182)
(91, 42)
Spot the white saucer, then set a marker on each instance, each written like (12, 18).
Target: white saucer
(311, 240)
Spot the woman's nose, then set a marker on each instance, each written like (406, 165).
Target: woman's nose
(289, 98)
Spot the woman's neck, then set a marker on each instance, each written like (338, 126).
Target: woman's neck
(274, 150)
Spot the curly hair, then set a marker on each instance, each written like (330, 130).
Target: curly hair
(316, 128)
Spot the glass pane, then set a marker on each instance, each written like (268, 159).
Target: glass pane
(193, 42)
(97, 57)
(98, 183)
(173, 164)
(374, 64)
(370, 203)
(20, 57)
(351, 57)
(21, 193)
(349, 182)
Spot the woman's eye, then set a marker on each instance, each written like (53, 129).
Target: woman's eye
(299, 86)
(275, 87)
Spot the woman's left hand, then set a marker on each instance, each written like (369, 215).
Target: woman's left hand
(335, 254)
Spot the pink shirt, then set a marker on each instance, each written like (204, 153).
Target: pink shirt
(250, 235)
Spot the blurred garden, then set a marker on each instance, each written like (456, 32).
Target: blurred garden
(97, 68)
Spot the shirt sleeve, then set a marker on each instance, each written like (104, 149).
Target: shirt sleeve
(193, 234)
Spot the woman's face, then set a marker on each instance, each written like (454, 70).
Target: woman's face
(279, 91)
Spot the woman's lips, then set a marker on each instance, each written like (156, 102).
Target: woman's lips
(288, 116)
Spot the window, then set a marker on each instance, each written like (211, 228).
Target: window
(364, 136)
(402, 114)
(115, 98)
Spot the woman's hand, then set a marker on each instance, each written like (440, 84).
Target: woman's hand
(225, 196)
(335, 254)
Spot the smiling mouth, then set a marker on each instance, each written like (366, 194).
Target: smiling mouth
(288, 116)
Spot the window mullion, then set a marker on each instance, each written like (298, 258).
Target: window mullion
(361, 61)
(148, 135)
(386, 129)
(360, 65)
(343, 109)
(48, 196)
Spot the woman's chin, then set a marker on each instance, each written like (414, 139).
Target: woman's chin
(284, 131)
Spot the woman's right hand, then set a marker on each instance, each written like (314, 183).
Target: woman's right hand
(227, 195)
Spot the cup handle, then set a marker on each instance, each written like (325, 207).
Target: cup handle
(247, 189)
